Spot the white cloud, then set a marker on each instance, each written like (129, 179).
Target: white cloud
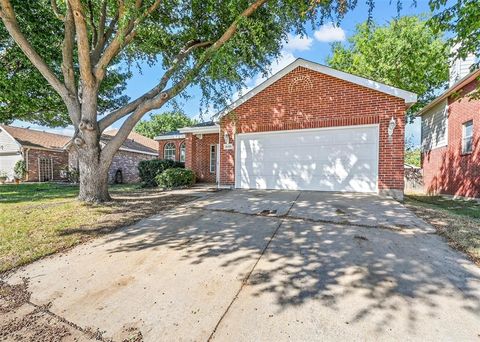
(329, 33)
(297, 43)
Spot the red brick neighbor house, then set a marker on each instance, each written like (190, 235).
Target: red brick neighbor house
(48, 156)
(308, 127)
(450, 140)
(44, 155)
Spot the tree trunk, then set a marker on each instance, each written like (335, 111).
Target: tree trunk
(93, 175)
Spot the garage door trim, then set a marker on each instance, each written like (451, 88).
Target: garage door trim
(237, 150)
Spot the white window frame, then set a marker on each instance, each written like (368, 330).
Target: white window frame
(170, 147)
(213, 158)
(466, 138)
(183, 152)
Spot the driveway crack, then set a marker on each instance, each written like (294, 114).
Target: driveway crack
(247, 277)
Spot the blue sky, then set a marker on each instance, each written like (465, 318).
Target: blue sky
(315, 47)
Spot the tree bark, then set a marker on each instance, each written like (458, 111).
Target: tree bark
(93, 172)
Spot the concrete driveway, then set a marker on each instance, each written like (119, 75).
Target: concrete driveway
(257, 266)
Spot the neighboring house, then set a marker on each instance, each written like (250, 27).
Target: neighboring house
(48, 156)
(43, 152)
(125, 162)
(450, 135)
(308, 127)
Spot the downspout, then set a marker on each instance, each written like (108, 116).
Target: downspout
(219, 157)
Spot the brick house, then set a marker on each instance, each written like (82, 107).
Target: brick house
(450, 139)
(308, 127)
(43, 152)
(48, 156)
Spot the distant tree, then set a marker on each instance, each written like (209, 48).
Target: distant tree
(462, 19)
(406, 53)
(162, 123)
(412, 156)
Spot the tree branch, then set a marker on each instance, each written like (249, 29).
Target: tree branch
(132, 106)
(92, 24)
(82, 43)
(103, 38)
(11, 24)
(56, 11)
(161, 98)
(67, 63)
(122, 39)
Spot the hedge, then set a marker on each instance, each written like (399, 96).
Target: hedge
(175, 177)
(149, 169)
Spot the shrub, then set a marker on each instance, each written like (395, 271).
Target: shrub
(149, 169)
(20, 169)
(175, 177)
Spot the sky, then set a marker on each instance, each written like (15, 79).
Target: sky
(315, 46)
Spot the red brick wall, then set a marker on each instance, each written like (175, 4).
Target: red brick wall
(197, 154)
(446, 170)
(177, 142)
(60, 162)
(308, 99)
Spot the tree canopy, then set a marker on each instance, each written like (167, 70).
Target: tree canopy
(24, 93)
(162, 123)
(405, 53)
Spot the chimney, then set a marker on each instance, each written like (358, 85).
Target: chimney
(460, 68)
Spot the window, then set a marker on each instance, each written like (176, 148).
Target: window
(169, 151)
(467, 137)
(182, 152)
(213, 158)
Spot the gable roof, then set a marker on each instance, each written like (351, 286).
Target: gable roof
(135, 142)
(37, 139)
(409, 97)
(454, 88)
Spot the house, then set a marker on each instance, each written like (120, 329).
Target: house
(44, 155)
(450, 136)
(307, 127)
(48, 156)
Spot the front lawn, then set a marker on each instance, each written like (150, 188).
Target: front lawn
(41, 219)
(456, 220)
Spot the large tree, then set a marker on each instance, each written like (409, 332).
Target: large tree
(212, 43)
(162, 123)
(405, 53)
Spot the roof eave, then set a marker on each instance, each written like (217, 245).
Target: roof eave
(460, 84)
(200, 130)
(169, 137)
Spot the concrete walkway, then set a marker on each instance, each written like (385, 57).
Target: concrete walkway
(262, 265)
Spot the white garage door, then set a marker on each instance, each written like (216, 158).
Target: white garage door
(328, 159)
(7, 163)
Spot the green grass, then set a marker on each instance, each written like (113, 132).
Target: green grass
(41, 219)
(456, 220)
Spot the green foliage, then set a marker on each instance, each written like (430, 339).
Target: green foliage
(149, 169)
(175, 177)
(162, 123)
(24, 93)
(412, 156)
(20, 169)
(406, 54)
(462, 19)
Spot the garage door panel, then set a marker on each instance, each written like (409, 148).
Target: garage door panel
(325, 159)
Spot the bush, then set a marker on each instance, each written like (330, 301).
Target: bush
(149, 169)
(175, 177)
(20, 169)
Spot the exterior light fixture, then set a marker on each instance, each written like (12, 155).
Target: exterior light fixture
(391, 126)
(226, 138)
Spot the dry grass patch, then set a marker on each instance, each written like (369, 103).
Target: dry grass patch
(457, 220)
(38, 220)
